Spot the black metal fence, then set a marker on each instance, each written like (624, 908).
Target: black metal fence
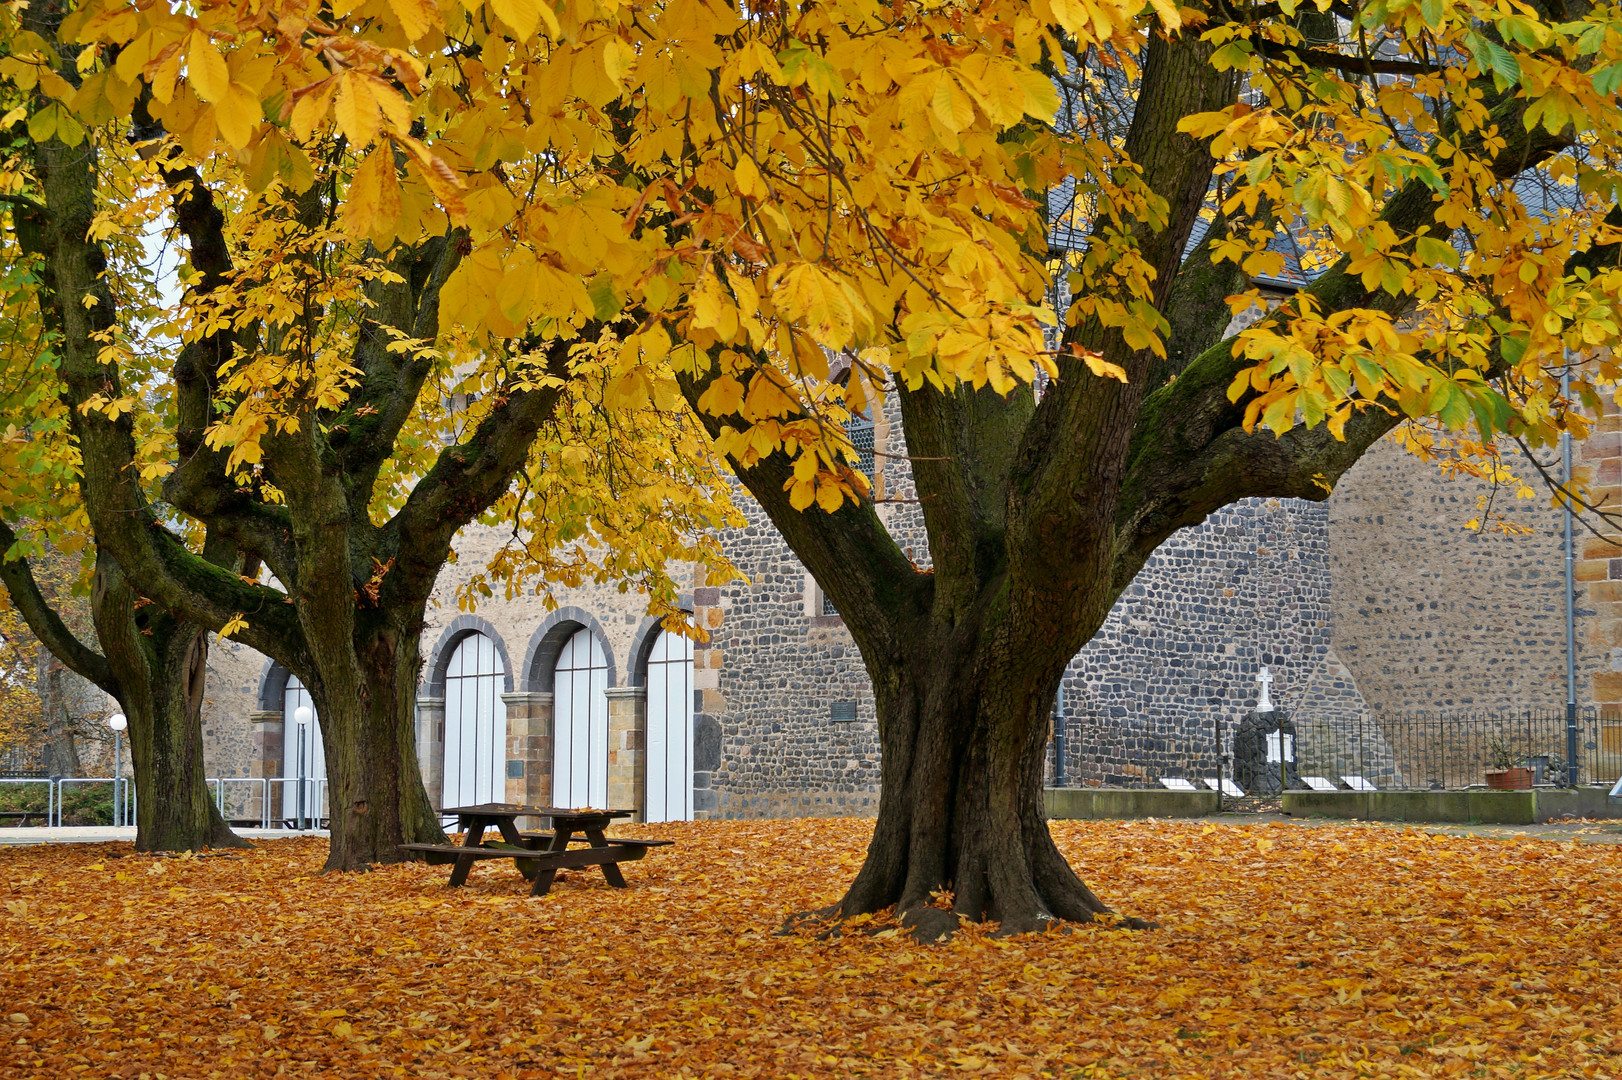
(1447, 749)
(1457, 748)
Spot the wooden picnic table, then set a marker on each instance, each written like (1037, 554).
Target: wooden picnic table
(542, 854)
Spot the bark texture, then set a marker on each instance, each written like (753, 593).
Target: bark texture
(160, 664)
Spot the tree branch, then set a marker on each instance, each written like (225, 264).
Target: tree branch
(1191, 454)
(878, 590)
(470, 476)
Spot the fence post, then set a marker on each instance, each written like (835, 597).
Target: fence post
(1571, 744)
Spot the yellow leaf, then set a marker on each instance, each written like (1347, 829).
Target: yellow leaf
(1103, 368)
(417, 17)
(722, 397)
(355, 109)
(829, 497)
(310, 107)
(747, 176)
(520, 15)
(373, 203)
(238, 115)
(1170, 17)
(951, 105)
(802, 493)
(205, 68)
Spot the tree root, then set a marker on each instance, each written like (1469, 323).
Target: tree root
(929, 925)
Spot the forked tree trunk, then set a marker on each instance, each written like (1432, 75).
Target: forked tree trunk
(366, 701)
(960, 812)
(161, 665)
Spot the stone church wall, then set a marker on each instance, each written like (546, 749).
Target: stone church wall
(1429, 615)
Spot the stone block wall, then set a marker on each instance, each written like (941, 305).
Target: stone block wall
(1178, 656)
(1431, 615)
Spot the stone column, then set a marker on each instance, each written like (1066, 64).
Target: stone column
(709, 705)
(529, 748)
(266, 726)
(431, 747)
(628, 749)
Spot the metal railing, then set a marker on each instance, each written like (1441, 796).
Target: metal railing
(1437, 750)
(1457, 748)
(268, 807)
(123, 796)
(50, 791)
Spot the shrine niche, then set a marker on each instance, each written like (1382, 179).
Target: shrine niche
(1264, 754)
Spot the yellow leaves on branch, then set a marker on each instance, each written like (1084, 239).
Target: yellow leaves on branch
(767, 184)
(730, 219)
(1338, 950)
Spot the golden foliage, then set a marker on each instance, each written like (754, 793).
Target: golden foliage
(1336, 951)
(19, 697)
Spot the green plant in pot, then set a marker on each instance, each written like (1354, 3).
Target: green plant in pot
(1506, 774)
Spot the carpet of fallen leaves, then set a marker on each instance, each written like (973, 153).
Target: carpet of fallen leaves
(1285, 951)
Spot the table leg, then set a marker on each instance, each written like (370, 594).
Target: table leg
(473, 830)
(464, 863)
(509, 833)
(610, 871)
(545, 876)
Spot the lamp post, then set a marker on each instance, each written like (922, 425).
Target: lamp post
(118, 723)
(302, 717)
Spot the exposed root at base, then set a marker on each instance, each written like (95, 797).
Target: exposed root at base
(806, 920)
(933, 925)
(930, 925)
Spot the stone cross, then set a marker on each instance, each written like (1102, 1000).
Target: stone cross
(1266, 702)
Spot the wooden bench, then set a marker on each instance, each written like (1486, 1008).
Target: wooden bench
(25, 815)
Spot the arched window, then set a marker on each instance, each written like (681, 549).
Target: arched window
(670, 729)
(475, 725)
(580, 724)
(315, 758)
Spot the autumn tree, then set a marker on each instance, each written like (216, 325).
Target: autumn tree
(148, 660)
(712, 197)
(286, 454)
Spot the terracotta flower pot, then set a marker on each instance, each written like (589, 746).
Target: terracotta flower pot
(1516, 779)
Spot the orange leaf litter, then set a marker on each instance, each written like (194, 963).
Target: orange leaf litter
(1286, 951)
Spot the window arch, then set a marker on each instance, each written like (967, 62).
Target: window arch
(580, 723)
(670, 729)
(475, 724)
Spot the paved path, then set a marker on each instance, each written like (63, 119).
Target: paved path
(1587, 832)
(107, 834)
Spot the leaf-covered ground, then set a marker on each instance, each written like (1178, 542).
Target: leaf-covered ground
(1286, 951)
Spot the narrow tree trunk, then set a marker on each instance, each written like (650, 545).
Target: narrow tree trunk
(161, 665)
(61, 747)
(960, 813)
(365, 698)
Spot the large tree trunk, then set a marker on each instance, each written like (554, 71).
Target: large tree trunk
(365, 697)
(963, 737)
(160, 663)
